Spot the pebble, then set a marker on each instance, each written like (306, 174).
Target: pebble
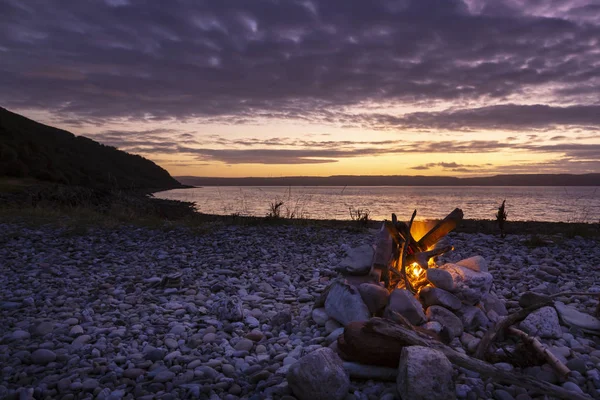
(87, 313)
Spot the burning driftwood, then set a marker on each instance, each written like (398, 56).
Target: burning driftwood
(410, 257)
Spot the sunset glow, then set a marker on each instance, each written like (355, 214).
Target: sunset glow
(317, 87)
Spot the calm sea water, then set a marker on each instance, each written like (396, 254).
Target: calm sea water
(558, 204)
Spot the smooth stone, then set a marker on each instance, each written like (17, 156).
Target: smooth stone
(89, 385)
(424, 374)
(133, 373)
(255, 335)
(345, 305)
(440, 279)
(572, 387)
(374, 296)
(500, 394)
(529, 299)
(573, 317)
(470, 286)
(473, 318)
(358, 260)
(43, 356)
(76, 330)
(164, 376)
(319, 375)
(447, 318)
(319, 315)
(209, 337)
(476, 263)
(492, 303)
(244, 345)
(404, 303)
(433, 296)
(543, 323)
(20, 335)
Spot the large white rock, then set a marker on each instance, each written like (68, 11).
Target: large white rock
(319, 375)
(475, 263)
(344, 304)
(424, 373)
(319, 315)
(358, 260)
(543, 323)
(470, 286)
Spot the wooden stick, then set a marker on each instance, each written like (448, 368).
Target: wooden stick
(405, 247)
(560, 368)
(389, 328)
(441, 229)
(502, 325)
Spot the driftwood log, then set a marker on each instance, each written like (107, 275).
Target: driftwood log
(400, 334)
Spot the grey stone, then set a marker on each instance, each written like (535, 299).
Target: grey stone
(470, 286)
(440, 279)
(432, 296)
(572, 387)
(492, 303)
(43, 356)
(319, 315)
(476, 263)
(345, 305)
(164, 376)
(500, 394)
(404, 303)
(424, 373)
(244, 345)
(446, 318)
(573, 317)
(358, 260)
(543, 323)
(473, 318)
(374, 296)
(529, 299)
(319, 375)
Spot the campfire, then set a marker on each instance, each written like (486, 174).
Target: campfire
(410, 258)
(394, 306)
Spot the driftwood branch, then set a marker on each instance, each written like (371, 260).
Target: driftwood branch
(441, 229)
(504, 324)
(560, 368)
(390, 329)
(403, 250)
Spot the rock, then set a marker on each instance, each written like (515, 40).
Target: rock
(432, 296)
(43, 356)
(358, 260)
(476, 263)
(319, 375)
(447, 318)
(20, 335)
(551, 270)
(543, 323)
(359, 345)
(255, 335)
(529, 299)
(440, 279)
(404, 303)
(155, 355)
(470, 286)
(229, 309)
(244, 345)
(89, 385)
(374, 296)
(133, 373)
(424, 373)
(43, 328)
(492, 303)
(572, 387)
(473, 318)
(319, 315)
(164, 376)
(76, 330)
(344, 304)
(572, 317)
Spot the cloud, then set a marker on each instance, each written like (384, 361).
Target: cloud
(235, 60)
(453, 166)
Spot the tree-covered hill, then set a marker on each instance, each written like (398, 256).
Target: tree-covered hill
(29, 149)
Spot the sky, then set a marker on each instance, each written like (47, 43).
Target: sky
(315, 87)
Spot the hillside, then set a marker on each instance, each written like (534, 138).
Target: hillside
(400, 180)
(29, 149)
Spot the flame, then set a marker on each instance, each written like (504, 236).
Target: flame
(414, 270)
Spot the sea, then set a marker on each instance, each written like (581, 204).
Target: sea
(537, 203)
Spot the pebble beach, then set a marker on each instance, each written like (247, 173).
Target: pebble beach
(84, 314)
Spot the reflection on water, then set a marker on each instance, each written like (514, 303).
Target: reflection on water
(558, 204)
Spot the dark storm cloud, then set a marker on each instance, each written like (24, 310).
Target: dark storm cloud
(237, 59)
(447, 165)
